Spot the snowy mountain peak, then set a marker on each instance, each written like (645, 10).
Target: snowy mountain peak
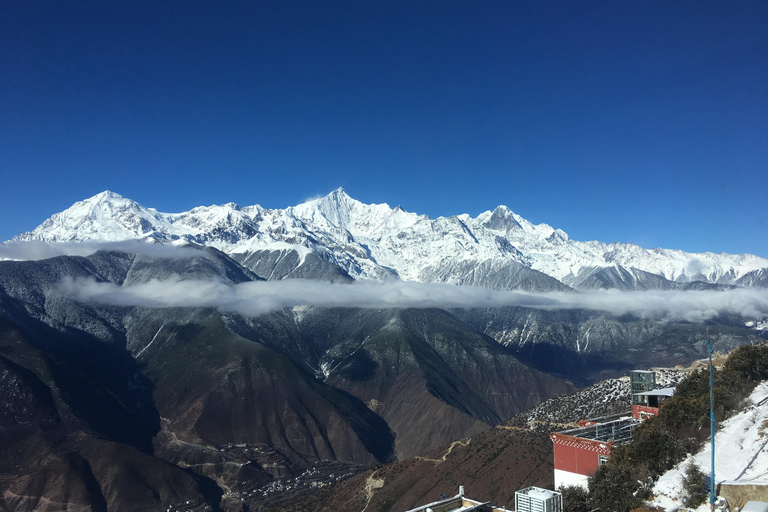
(340, 193)
(374, 241)
(107, 195)
(106, 216)
(502, 219)
(339, 210)
(106, 200)
(335, 207)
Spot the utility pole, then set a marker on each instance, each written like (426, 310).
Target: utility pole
(711, 422)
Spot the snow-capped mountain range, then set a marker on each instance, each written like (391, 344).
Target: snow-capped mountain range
(496, 249)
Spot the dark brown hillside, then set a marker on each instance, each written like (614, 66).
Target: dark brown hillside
(220, 408)
(428, 376)
(52, 460)
(491, 466)
(215, 387)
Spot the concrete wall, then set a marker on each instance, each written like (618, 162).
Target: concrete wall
(568, 478)
(738, 494)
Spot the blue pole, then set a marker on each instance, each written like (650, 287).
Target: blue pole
(711, 422)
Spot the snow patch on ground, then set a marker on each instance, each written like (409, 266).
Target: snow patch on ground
(758, 326)
(741, 454)
(605, 398)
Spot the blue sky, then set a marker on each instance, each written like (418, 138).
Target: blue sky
(629, 121)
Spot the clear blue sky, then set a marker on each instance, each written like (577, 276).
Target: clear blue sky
(632, 121)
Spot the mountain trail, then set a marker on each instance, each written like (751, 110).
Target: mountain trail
(371, 484)
(463, 444)
(520, 429)
(450, 448)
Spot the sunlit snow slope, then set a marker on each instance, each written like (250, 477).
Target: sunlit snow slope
(741, 453)
(496, 249)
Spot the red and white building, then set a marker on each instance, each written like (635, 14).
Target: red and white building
(580, 451)
(647, 403)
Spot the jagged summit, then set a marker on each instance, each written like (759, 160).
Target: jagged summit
(106, 216)
(497, 249)
(107, 194)
(502, 219)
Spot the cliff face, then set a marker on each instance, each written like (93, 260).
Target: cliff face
(215, 406)
(191, 404)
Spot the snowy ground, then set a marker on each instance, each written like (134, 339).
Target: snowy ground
(741, 453)
(604, 398)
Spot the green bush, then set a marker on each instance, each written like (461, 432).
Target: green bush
(686, 414)
(574, 498)
(749, 361)
(694, 486)
(689, 406)
(652, 447)
(613, 489)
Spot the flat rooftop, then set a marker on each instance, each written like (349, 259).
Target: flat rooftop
(617, 431)
(658, 392)
(459, 504)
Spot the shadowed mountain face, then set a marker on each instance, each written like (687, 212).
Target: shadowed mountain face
(189, 404)
(456, 380)
(215, 387)
(72, 436)
(142, 408)
(491, 465)
(586, 346)
(272, 265)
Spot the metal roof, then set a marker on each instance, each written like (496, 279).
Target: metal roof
(617, 431)
(658, 392)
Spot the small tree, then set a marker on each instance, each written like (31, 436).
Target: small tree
(749, 362)
(574, 498)
(652, 448)
(613, 489)
(694, 486)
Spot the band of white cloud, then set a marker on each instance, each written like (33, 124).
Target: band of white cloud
(257, 298)
(35, 250)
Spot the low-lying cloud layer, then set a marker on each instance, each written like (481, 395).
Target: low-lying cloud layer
(34, 250)
(257, 298)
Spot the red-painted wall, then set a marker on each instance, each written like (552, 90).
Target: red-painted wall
(578, 455)
(637, 409)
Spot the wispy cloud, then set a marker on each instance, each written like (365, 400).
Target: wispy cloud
(257, 298)
(43, 250)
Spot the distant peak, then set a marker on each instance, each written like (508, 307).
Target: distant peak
(502, 219)
(339, 193)
(337, 198)
(107, 195)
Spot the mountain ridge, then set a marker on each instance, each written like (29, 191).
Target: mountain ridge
(218, 406)
(232, 405)
(374, 241)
